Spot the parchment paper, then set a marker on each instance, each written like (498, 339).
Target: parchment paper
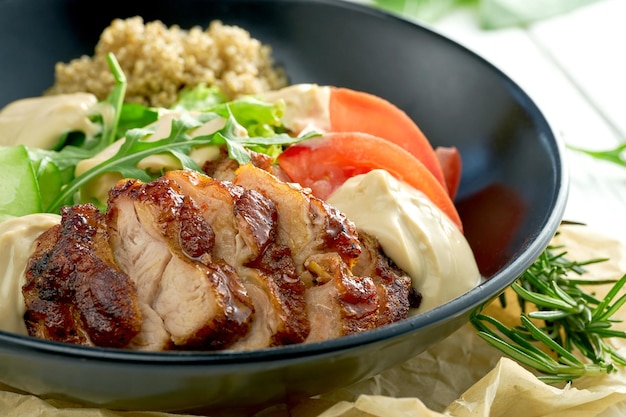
(461, 376)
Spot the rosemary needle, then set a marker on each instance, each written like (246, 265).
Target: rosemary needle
(558, 316)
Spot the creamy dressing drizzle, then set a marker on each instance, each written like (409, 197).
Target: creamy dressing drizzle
(307, 107)
(413, 232)
(40, 122)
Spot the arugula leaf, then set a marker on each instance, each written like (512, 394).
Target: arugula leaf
(236, 142)
(179, 144)
(116, 100)
(61, 163)
(133, 150)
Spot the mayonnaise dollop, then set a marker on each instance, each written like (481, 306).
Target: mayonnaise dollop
(17, 236)
(413, 232)
(307, 107)
(39, 122)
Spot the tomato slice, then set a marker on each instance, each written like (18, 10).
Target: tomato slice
(324, 163)
(357, 111)
(451, 165)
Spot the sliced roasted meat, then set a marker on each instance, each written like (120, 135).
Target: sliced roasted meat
(339, 303)
(192, 262)
(160, 239)
(244, 223)
(242, 230)
(392, 284)
(324, 246)
(306, 224)
(74, 291)
(223, 168)
(274, 273)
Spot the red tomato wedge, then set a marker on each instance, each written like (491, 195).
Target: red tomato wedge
(324, 163)
(357, 111)
(451, 165)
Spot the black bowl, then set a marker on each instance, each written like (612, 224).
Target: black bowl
(511, 199)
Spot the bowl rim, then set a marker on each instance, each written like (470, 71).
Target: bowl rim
(459, 306)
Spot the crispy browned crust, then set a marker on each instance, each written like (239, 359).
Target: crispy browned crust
(74, 291)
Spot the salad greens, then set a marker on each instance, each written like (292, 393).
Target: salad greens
(45, 177)
(19, 189)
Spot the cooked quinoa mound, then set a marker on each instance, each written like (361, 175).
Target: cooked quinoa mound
(159, 61)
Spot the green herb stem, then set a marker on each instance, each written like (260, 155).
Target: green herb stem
(575, 323)
(616, 155)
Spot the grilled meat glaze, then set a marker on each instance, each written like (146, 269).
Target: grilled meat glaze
(191, 261)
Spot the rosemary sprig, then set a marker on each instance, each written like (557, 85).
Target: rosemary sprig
(563, 328)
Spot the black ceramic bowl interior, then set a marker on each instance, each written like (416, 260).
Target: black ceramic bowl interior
(511, 199)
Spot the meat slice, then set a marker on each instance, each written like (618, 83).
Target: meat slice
(163, 243)
(325, 247)
(74, 291)
(244, 223)
(306, 224)
(339, 303)
(394, 287)
(217, 201)
(374, 293)
(223, 168)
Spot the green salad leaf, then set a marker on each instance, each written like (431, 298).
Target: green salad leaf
(135, 115)
(19, 189)
(116, 101)
(200, 98)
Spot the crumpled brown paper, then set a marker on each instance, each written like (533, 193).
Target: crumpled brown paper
(461, 376)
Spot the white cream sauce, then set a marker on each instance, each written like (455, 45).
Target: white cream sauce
(413, 232)
(17, 236)
(39, 122)
(307, 107)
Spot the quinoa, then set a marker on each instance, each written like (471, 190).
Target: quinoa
(159, 61)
